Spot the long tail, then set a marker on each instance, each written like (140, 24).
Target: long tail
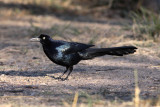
(117, 51)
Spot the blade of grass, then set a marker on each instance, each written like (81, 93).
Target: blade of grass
(137, 90)
(74, 104)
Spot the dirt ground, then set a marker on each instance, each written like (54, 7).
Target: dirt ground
(25, 70)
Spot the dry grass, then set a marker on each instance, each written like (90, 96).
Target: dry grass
(136, 102)
(146, 24)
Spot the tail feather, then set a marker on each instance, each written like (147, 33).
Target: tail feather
(117, 51)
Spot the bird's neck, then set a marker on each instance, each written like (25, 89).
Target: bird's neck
(46, 43)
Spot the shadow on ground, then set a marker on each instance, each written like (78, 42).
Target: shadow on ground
(80, 69)
(109, 92)
(51, 92)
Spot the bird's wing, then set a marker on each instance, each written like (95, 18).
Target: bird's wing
(73, 47)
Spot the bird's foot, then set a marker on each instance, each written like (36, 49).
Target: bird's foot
(63, 79)
(55, 77)
(59, 78)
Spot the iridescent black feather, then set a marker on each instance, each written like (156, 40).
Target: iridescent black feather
(70, 53)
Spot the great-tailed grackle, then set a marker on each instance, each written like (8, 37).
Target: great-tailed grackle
(70, 53)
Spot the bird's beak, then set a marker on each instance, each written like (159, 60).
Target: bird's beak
(35, 39)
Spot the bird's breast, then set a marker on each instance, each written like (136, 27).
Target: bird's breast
(58, 56)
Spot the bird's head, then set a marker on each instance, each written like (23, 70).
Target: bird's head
(43, 38)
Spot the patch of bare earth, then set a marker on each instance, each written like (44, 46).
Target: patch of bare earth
(25, 71)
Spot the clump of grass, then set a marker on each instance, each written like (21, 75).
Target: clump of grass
(93, 39)
(146, 24)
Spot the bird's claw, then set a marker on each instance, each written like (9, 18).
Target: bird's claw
(55, 77)
(59, 78)
(63, 79)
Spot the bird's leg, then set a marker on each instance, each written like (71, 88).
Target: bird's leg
(63, 73)
(70, 70)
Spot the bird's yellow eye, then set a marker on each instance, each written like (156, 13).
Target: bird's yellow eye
(44, 38)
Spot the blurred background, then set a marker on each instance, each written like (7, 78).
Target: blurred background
(103, 8)
(105, 23)
(141, 17)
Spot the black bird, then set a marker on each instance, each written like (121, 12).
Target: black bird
(70, 53)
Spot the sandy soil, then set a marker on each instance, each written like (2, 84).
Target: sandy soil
(25, 70)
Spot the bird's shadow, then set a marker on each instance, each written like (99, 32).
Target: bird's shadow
(36, 73)
(59, 70)
(106, 92)
(27, 73)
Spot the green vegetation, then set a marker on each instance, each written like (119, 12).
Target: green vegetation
(146, 24)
